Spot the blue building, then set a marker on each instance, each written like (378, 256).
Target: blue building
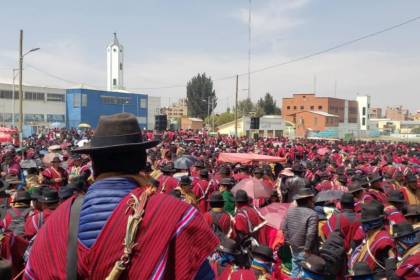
(87, 105)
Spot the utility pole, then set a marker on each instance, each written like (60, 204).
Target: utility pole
(249, 49)
(236, 108)
(20, 89)
(14, 99)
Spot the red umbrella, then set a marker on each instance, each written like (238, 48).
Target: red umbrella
(254, 188)
(274, 213)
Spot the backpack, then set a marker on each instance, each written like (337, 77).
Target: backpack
(215, 217)
(18, 220)
(332, 251)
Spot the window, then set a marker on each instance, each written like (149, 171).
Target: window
(143, 103)
(51, 118)
(312, 107)
(364, 111)
(76, 100)
(120, 66)
(294, 107)
(55, 97)
(8, 94)
(115, 100)
(363, 121)
(84, 100)
(288, 107)
(320, 107)
(114, 49)
(6, 117)
(38, 96)
(114, 82)
(28, 118)
(301, 107)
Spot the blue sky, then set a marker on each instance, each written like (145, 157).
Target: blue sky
(166, 42)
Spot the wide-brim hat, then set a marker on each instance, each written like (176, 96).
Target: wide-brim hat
(22, 196)
(360, 269)
(185, 181)
(355, 186)
(241, 196)
(263, 252)
(216, 197)
(229, 246)
(227, 181)
(298, 168)
(66, 192)
(314, 264)
(204, 173)
(303, 193)
(411, 179)
(396, 196)
(12, 180)
(36, 192)
(168, 168)
(372, 212)
(119, 132)
(403, 229)
(413, 211)
(258, 170)
(49, 197)
(375, 178)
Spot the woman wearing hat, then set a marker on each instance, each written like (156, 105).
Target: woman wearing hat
(16, 216)
(116, 215)
(219, 220)
(413, 215)
(166, 181)
(411, 191)
(225, 186)
(55, 176)
(393, 211)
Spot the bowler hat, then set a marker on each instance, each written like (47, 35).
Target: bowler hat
(49, 197)
(22, 196)
(360, 269)
(241, 196)
(314, 264)
(347, 198)
(413, 211)
(185, 181)
(56, 160)
(168, 168)
(216, 197)
(227, 181)
(303, 193)
(342, 179)
(403, 229)
(411, 179)
(355, 186)
(263, 252)
(372, 212)
(396, 196)
(66, 192)
(258, 171)
(117, 132)
(229, 246)
(298, 168)
(204, 173)
(199, 164)
(373, 178)
(36, 193)
(225, 170)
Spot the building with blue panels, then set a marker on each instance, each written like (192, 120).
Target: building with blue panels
(87, 105)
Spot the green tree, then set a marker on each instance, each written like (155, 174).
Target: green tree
(267, 106)
(200, 96)
(245, 107)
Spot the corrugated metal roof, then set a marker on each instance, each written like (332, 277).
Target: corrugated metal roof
(324, 114)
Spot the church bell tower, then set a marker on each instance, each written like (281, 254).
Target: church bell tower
(115, 65)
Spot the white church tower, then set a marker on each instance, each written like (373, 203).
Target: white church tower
(115, 65)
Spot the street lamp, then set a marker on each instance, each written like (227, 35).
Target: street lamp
(21, 55)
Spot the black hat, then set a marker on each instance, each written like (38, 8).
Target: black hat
(298, 168)
(403, 229)
(258, 170)
(303, 193)
(347, 198)
(340, 170)
(227, 181)
(225, 170)
(49, 197)
(185, 181)
(22, 196)
(12, 180)
(314, 264)
(374, 178)
(216, 197)
(360, 269)
(117, 132)
(66, 192)
(5, 269)
(56, 160)
(263, 252)
(199, 164)
(36, 193)
(411, 179)
(413, 211)
(396, 196)
(229, 246)
(342, 179)
(371, 212)
(168, 168)
(355, 186)
(204, 173)
(241, 196)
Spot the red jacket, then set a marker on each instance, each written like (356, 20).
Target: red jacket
(167, 183)
(410, 267)
(245, 222)
(224, 222)
(34, 222)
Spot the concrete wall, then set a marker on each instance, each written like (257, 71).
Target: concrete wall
(153, 109)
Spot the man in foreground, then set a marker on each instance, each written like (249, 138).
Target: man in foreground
(171, 241)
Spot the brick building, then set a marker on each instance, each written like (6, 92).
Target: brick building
(177, 110)
(396, 113)
(375, 113)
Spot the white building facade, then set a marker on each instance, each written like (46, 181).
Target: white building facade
(153, 109)
(115, 65)
(364, 106)
(42, 106)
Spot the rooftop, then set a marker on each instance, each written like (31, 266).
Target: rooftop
(325, 114)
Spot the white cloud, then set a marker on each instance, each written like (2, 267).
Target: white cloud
(275, 16)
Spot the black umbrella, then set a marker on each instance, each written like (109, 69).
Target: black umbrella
(184, 162)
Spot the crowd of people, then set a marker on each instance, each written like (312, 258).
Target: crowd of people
(124, 203)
